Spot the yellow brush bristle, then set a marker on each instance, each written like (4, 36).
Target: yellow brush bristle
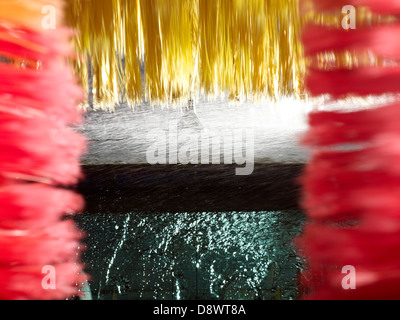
(243, 48)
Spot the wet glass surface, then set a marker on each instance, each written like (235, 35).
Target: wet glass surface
(172, 256)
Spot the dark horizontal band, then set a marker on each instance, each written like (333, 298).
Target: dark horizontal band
(189, 188)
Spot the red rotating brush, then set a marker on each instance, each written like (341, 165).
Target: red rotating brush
(40, 153)
(352, 182)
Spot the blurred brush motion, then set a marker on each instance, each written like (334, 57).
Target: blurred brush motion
(39, 255)
(169, 51)
(175, 51)
(352, 182)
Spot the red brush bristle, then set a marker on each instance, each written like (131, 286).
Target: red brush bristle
(377, 40)
(56, 158)
(21, 210)
(363, 81)
(351, 186)
(378, 6)
(40, 152)
(30, 283)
